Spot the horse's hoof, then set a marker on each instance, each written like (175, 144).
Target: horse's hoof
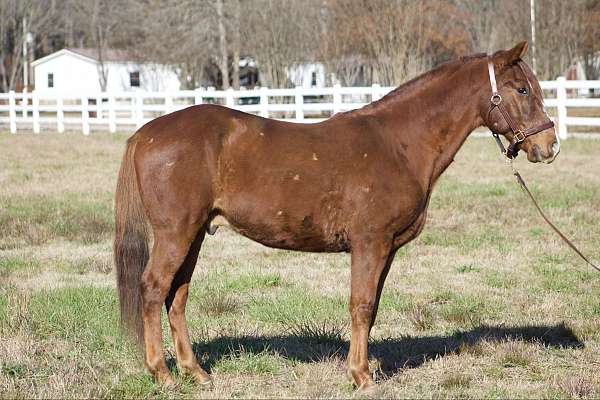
(167, 382)
(202, 378)
(361, 380)
(366, 386)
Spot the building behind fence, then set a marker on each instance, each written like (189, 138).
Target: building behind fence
(126, 111)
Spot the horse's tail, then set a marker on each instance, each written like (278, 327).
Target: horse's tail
(131, 245)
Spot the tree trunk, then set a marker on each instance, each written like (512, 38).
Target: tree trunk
(223, 64)
(236, 44)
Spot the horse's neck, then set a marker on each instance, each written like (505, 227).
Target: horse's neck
(429, 125)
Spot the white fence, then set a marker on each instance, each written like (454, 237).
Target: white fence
(128, 110)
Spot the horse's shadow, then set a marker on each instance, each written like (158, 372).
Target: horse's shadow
(392, 353)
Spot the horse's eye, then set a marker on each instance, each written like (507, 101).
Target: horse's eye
(522, 90)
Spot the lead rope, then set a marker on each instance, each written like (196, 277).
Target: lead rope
(523, 186)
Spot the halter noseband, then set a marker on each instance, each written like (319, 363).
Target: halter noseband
(519, 135)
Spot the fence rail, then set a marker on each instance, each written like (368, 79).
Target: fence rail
(128, 110)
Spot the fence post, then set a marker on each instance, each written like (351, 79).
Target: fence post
(229, 100)
(112, 114)
(299, 102)
(139, 111)
(99, 107)
(12, 111)
(35, 104)
(60, 114)
(375, 92)
(24, 103)
(561, 107)
(168, 103)
(85, 116)
(198, 96)
(337, 98)
(264, 103)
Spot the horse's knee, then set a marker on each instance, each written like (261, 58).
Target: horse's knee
(153, 289)
(362, 313)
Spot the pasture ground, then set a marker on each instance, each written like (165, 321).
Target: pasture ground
(486, 303)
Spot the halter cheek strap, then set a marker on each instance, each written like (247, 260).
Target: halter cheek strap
(519, 135)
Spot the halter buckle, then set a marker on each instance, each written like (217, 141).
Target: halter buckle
(496, 99)
(519, 136)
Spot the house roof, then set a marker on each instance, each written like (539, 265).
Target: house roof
(108, 54)
(87, 54)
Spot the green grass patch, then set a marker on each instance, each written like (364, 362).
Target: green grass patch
(564, 199)
(13, 309)
(218, 303)
(238, 283)
(455, 380)
(421, 317)
(392, 300)
(12, 264)
(536, 232)
(251, 281)
(242, 361)
(219, 293)
(38, 219)
(441, 295)
(466, 268)
(14, 369)
(142, 385)
(501, 280)
(467, 241)
(85, 265)
(453, 192)
(557, 277)
(87, 315)
(468, 310)
(514, 354)
(298, 303)
(316, 332)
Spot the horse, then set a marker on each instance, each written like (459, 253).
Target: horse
(358, 182)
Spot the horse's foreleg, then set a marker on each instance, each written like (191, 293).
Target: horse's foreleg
(382, 277)
(175, 304)
(169, 251)
(369, 260)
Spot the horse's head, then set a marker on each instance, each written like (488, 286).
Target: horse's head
(516, 108)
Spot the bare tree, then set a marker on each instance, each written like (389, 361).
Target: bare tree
(12, 14)
(589, 34)
(223, 54)
(235, 43)
(359, 41)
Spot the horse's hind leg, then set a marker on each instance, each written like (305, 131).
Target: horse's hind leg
(175, 304)
(170, 249)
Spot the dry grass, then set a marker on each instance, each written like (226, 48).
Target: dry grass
(486, 303)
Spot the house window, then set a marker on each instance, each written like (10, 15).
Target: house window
(134, 79)
(50, 80)
(313, 78)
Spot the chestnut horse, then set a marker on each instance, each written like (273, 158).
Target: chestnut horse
(359, 182)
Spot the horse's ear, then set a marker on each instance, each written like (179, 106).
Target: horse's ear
(519, 51)
(513, 55)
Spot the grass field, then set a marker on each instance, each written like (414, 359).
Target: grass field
(487, 302)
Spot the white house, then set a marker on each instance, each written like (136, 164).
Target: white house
(307, 75)
(576, 71)
(78, 69)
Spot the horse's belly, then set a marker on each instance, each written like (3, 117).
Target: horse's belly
(303, 230)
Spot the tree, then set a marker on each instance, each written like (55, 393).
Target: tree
(12, 15)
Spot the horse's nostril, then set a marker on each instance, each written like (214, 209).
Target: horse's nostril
(554, 148)
(537, 152)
